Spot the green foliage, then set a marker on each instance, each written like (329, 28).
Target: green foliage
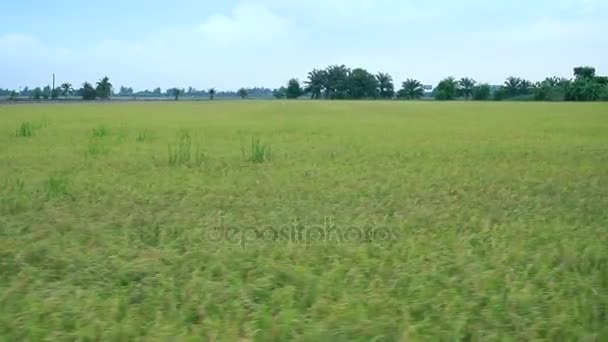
(552, 81)
(543, 92)
(386, 88)
(181, 153)
(340, 82)
(361, 84)
(410, 90)
(316, 83)
(100, 131)
(482, 92)
(143, 136)
(104, 88)
(279, 93)
(501, 93)
(211, 94)
(604, 94)
(175, 92)
(55, 93)
(603, 80)
(525, 87)
(13, 95)
(293, 90)
(96, 148)
(25, 130)
(37, 93)
(336, 84)
(446, 89)
(259, 152)
(57, 186)
(511, 87)
(46, 92)
(584, 89)
(88, 92)
(584, 73)
(66, 89)
(515, 86)
(242, 93)
(466, 87)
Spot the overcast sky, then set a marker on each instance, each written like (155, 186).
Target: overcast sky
(233, 43)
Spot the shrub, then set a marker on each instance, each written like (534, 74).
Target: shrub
(482, 92)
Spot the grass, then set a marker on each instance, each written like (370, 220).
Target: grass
(143, 136)
(96, 148)
(100, 131)
(57, 185)
(26, 129)
(374, 220)
(181, 153)
(259, 152)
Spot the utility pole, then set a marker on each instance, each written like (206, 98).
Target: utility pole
(53, 82)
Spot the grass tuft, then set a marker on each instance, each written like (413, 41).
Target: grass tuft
(57, 186)
(100, 131)
(25, 130)
(181, 153)
(97, 149)
(259, 152)
(143, 136)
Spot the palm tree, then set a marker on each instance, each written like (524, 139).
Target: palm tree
(316, 83)
(66, 89)
(37, 93)
(176, 93)
(88, 92)
(336, 81)
(447, 89)
(242, 93)
(524, 87)
(552, 81)
(512, 85)
(104, 88)
(211, 93)
(466, 86)
(385, 85)
(411, 90)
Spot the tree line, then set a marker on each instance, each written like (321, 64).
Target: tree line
(104, 90)
(338, 82)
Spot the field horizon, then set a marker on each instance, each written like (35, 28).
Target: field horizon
(307, 220)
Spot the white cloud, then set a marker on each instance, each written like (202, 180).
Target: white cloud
(248, 22)
(544, 30)
(15, 44)
(26, 61)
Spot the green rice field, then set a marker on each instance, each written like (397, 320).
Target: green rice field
(304, 220)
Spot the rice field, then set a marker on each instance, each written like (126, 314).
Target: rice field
(310, 221)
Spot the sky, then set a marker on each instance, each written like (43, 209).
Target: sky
(245, 43)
